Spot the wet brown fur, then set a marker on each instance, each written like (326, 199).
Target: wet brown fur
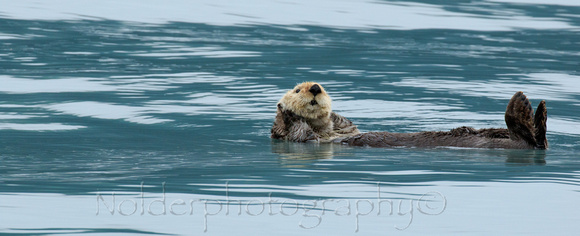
(525, 130)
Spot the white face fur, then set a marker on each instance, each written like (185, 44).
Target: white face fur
(308, 100)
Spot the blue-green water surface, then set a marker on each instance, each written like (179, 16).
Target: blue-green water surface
(153, 117)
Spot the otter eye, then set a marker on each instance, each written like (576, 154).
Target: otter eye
(297, 90)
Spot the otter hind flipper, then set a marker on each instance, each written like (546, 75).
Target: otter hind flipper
(540, 120)
(519, 119)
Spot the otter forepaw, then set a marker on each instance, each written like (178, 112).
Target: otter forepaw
(300, 131)
(312, 137)
(462, 131)
(290, 117)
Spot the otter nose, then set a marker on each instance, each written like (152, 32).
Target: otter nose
(315, 89)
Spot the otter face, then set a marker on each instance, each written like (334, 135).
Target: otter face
(308, 100)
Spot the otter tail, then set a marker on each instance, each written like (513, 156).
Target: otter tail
(521, 123)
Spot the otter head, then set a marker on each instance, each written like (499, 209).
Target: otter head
(308, 100)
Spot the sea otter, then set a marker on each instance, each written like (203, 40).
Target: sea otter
(305, 114)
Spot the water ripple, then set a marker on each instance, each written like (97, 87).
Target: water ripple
(106, 95)
(341, 14)
(39, 127)
(549, 86)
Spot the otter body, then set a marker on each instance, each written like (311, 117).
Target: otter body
(305, 114)
(466, 137)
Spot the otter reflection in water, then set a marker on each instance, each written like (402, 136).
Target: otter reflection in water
(305, 114)
(303, 155)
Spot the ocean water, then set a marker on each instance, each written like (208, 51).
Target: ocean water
(153, 117)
